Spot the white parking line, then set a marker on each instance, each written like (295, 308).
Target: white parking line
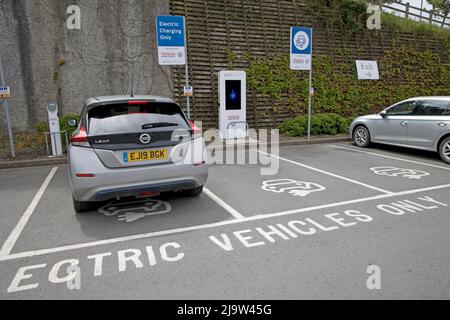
(12, 238)
(391, 157)
(212, 225)
(223, 204)
(328, 173)
(337, 204)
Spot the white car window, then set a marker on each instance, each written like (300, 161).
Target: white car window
(403, 109)
(434, 108)
(447, 112)
(123, 118)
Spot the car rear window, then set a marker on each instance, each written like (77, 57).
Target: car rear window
(434, 108)
(447, 112)
(128, 118)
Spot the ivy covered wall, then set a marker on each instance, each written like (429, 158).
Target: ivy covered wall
(406, 72)
(254, 36)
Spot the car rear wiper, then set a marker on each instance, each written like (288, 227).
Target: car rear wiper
(159, 125)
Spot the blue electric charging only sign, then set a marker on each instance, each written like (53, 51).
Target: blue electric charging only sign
(301, 48)
(171, 34)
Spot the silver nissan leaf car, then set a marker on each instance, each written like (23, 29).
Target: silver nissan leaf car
(134, 147)
(420, 123)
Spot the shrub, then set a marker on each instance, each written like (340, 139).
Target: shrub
(42, 127)
(406, 72)
(29, 141)
(321, 124)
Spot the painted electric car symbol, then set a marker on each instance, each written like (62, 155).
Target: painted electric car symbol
(301, 40)
(399, 172)
(133, 211)
(295, 188)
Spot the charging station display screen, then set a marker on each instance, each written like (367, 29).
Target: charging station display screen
(233, 94)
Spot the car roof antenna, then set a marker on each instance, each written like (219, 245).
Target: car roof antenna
(132, 85)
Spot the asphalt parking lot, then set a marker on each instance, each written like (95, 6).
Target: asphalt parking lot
(309, 232)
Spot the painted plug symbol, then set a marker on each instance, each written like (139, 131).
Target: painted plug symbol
(296, 188)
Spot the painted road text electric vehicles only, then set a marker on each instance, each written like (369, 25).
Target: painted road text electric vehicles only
(420, 123)
(134, 147)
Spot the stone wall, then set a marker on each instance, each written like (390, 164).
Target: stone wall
(45, 61)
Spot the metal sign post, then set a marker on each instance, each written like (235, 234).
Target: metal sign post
(172, 46)
(186, 70)
(6, 112)
(301, 59)
(310, 92)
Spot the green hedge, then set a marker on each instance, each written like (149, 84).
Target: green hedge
(321, 124)
(405, 73)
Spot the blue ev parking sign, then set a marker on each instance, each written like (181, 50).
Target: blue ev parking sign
(171, 33)
(301, 48)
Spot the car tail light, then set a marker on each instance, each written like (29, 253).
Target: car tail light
(196, 131)
(85, 175)
(80, 138)
(137, 102)
(147, 194)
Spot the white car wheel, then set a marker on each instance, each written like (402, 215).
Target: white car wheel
(444, 150)
(361, 137)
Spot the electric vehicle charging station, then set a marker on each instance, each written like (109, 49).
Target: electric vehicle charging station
(233, 105)
(55, 134)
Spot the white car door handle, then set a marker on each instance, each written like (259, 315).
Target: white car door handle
(442, 124)
(404, 123)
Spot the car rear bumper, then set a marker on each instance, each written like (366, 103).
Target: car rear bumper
(133, 181)
(139, 190)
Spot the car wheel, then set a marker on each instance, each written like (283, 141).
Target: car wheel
(361, 137)
(194, 192)
(444, 150)
(81, 207)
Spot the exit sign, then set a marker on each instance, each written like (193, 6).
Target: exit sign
(367, 70)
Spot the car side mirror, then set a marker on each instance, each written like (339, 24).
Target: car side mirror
(383, 114)
(73, 123)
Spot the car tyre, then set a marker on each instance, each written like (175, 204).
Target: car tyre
(194, 192)
(444, 150)
(361, 137)
(82, 207)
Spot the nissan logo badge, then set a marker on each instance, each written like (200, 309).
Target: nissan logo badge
(145, 138)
